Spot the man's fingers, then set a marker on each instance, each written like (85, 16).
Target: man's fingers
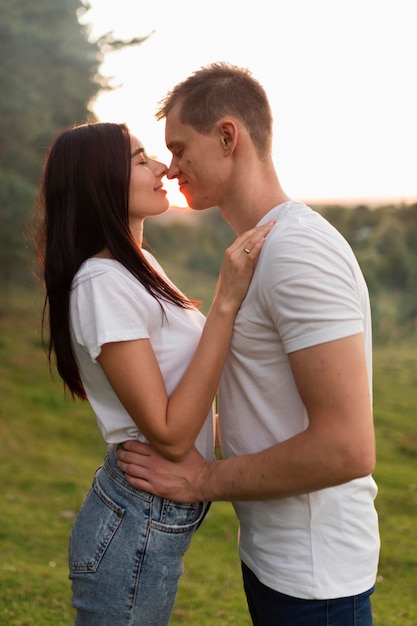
(130, 469)
(135, 446)
(131, 463)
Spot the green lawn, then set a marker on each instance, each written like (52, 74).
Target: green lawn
(51, 446)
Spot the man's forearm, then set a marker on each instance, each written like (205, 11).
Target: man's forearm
(290, 468)
(307, 462)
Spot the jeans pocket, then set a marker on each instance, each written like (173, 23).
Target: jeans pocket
(93, 530)
(175, 518)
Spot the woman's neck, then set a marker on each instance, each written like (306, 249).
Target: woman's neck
(103, 254)
(136, 228)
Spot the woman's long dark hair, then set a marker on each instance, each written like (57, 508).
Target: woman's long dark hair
(84, 198)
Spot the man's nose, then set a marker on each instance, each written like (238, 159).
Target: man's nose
(172, 170)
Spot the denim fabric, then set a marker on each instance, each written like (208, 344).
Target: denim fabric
(126, 550)
(271, 608)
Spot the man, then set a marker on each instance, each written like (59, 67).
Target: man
(295, 406)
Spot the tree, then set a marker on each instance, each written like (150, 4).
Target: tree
(16, 194)
(49, 74)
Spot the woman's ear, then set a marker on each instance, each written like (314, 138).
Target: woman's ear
(228, 135)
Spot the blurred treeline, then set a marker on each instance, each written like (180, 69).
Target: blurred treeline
(384, 239)
(49, 76)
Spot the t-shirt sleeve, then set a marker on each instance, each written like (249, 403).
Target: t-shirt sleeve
(105, 308)
(310, 289)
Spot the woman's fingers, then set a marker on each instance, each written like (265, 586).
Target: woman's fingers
(251, 241)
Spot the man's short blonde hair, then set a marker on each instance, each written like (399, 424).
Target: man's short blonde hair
(218, 90)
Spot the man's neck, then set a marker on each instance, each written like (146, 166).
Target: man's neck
(245, 208)
(250, 187)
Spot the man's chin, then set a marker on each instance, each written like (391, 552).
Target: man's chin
(198, 206)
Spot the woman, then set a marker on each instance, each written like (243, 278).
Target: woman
(128, 341)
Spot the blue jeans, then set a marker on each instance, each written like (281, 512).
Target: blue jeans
(126, 552)
(271, 608)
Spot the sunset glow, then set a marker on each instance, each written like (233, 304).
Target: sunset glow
(340, 77)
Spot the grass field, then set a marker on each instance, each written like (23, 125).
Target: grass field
(51, 446)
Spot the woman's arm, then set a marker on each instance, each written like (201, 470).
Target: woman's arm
(172, 424)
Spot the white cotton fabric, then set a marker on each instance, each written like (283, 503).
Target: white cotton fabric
(109, 304)
(307, 289)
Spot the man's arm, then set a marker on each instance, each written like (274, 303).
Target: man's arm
(338, 445)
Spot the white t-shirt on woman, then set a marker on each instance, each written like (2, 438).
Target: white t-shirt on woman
(109, 304)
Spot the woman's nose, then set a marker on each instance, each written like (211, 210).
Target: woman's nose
(162, 170)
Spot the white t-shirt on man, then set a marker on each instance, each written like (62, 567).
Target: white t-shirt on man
(307, 289)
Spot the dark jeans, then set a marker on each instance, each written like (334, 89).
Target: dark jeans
(271, 608)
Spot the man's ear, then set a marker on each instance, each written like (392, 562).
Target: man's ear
(228, 135)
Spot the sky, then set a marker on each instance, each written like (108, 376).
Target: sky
(341, 76)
